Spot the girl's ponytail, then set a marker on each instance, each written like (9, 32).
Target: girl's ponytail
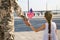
(48, 17)
(49, 26)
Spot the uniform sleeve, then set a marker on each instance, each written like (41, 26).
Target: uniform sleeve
(17, 8)
(19, 11)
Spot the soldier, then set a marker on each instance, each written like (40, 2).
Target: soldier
(7, 7)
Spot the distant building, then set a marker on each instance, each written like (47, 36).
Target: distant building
(38, 14)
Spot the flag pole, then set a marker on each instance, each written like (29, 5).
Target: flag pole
(46, 6)
(28, 5)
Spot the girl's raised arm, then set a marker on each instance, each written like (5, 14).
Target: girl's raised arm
(40, 28)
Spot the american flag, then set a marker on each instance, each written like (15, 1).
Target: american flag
(30, 14)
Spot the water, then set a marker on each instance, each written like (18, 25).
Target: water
(20, 25)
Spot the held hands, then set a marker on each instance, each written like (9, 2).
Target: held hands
(26, 21)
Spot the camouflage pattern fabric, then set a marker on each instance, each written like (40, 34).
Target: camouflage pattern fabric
(7, 7)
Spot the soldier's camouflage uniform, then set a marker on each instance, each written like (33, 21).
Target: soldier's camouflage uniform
(7, 7)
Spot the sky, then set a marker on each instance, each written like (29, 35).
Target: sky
(38, 5)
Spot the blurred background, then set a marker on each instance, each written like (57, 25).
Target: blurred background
(23, 32)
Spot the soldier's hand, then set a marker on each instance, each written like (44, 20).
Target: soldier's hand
(27, 23)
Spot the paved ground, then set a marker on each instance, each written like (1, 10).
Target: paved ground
(30, 35)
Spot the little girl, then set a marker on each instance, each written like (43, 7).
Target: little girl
(50, 30)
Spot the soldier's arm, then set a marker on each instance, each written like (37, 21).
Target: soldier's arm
(19, 12)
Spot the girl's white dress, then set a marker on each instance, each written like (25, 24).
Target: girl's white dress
(53, 31)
